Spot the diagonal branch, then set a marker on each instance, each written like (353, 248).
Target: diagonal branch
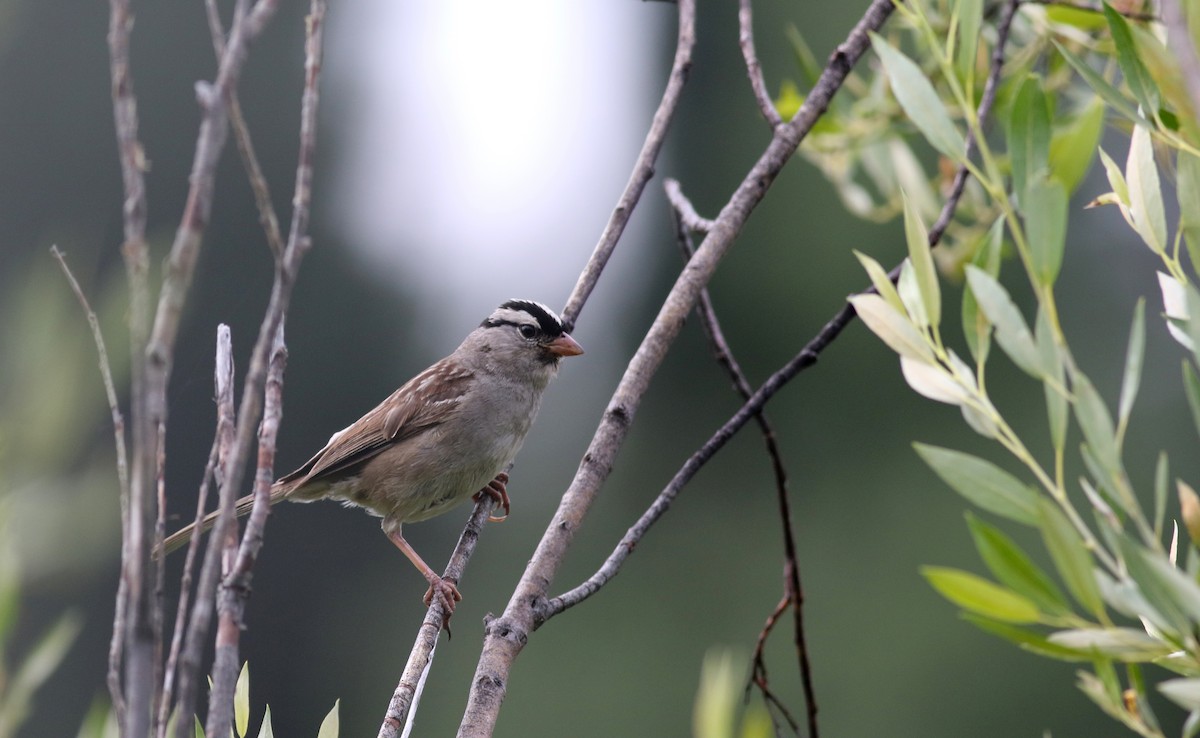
(506, 635)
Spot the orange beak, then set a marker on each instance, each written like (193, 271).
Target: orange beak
(564, 345)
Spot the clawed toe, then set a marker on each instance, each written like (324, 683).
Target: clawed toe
(447, 593)
(498, 491)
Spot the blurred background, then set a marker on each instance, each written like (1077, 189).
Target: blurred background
(471, 152)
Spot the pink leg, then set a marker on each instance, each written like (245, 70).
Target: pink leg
(445, 590)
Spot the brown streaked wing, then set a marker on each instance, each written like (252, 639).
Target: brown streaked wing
(403, 415)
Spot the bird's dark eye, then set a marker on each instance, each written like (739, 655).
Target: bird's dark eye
(527, 331)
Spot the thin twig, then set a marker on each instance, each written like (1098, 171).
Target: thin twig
(793, 591)
(241, 136)
(403, 705)
(118, 421)
(1184, 48)
(505, 636)
(643, 168)
(188, 675)
(758, 669)
(766, 106)
(262, 392)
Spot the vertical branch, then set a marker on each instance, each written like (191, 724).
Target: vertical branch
(263, 392)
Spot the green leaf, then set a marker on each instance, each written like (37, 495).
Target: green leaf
(199, 728)
(976, 328)
(241, 701)
(1046, 227)
(1123, 644)
(1028, 640)
(266, 731)
(1188, 191)
(1162, 473)
(970, 19)
(1167, 589)
(978, 595)
(933, 381)
(1054, 384)
(329, 726)
(1028, 137)
(1135, 354)
(1014, 568)
(1183, 692)
(1111, 94)
(920, 101)
(1073, 146)
(880, 281)
(1070, 556)
(1136, 75)
(1191, 387)
(1096, 424)
(1145, 192)
(1011, 332)
(892, 328)
(982, 483)
(921, 258)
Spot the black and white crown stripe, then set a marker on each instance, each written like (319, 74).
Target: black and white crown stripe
(516, 312)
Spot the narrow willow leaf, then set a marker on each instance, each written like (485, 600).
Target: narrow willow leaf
(1192, 298)
(921, 258)
(1123, 644)
(982, 483)
(892, 328)
(1070, 556)
(1046, 226)
(1011, 331)
(980, 422)
(1125, 597)
(1167, 589)
(1191, 387)
(329, 726)
(978, 595)
(1116, 180)
(1145, 192)
(1096, 423)
(1073, 147)
(1054, 384)
(241, 701)
(976, 328)
(1028, 137)
(970, 18)
(910, 294)
(1162, 66)
(1183, 692)
(1028, 640)
(1188, 191)
(919, 100)
(1136, 76)
(1162, 473)
(1103, 510)
(1103, 87)
(1135, 354)
(1175, 308)
(44, 657)
(1014, 568)
(880, 281)
(266, 731)
(199, 729)
(932, 381)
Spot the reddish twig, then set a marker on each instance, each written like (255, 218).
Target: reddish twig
(758, 668)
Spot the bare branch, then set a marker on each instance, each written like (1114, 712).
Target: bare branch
(643, 168)
(189, 673)
(753, 69)
(241, 136)
(118, 420)
(688, 217)
(505, 636)
(403, 705)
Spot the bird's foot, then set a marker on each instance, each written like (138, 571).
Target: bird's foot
(447, 594)
(497, 489)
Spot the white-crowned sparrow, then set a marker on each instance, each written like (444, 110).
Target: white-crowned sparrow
(447, 434)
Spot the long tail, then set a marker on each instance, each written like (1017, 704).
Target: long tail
(242, 508)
